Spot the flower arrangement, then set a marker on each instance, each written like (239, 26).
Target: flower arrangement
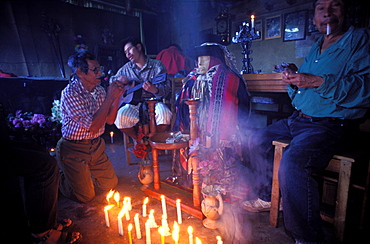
(219, 171)
(36, 128)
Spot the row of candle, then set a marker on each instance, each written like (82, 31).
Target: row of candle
(163, 230)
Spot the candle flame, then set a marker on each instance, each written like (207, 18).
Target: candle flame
(175, 236)
(129, 227)
(116, 196)
(52, 149)
(178, 200)
(161, 231)
(176, 227)
(218, 238)
(162, 196)
(190, 230)
(151, 211)
(111, 133)
(106, 208)
(109, 195)
(146, 200)
(197, 241)
(252, 16)
(136, 215)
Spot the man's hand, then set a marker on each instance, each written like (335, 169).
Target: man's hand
(301, 80)
(115, 90)
(147, 86)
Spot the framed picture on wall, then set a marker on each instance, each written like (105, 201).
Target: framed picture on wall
(258, 27)
(273, 27)
(295, 26)
(310, 26)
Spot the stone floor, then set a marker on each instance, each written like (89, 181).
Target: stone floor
(89, 218)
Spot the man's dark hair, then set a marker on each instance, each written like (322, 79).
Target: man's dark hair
(134, 41)
(79, 60)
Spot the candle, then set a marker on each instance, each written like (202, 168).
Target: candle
(129, 228)
(116, 197)
(166, 228)
(52, 152)
(147, 232)
(106, 209)
(175, 232)
(119, 218)
(111, 137)
(127, 201)
(252, 21)
(137, 226)
(146, 200)
(190, 232)
(197, 241)
(219, 240)
(164, 208)
(178, 208)
(152, 223)
(161, 232)
(109, 195)
(328, 30)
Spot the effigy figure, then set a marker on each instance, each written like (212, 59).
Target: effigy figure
(222, 113)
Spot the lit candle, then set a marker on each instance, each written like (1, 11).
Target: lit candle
(147, 232)
(166, 228)
(52, 152)
(119, 218)
(137, 226)
(111, 137)
(164, 208)
(197, 241)
(109, 195)
(127, 213)
(129, 233)
(161, 232)
(175, 232)
(219, 240)
(328, 30)
(106, 209)
(152, 223)
(178, 208)
(190, 232)
(252, 21)
(127, 201)
(146, 200)
(116, 197)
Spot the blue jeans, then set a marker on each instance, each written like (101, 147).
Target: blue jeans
(313, 143)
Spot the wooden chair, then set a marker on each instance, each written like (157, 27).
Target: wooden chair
(342, 165)
(176, 84)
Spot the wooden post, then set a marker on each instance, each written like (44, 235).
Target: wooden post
(152, 123)
(194, 160)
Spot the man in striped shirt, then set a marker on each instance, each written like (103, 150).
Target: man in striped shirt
(141, 69)
(86, 107)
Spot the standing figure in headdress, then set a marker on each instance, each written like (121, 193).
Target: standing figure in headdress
(222, 111)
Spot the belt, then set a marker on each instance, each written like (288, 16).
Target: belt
(84, 140)
(302, 115)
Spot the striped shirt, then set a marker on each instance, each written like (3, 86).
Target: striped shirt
(151, 69)
(78, 107)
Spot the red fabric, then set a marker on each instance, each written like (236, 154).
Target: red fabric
(173, 60)
(229, 109)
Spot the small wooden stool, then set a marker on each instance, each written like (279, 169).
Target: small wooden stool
(339, 164)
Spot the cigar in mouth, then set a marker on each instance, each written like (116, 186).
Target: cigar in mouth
(328, 29)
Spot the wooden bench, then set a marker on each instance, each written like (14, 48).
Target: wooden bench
(339, 164)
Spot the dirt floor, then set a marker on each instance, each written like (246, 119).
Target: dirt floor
(89, 218)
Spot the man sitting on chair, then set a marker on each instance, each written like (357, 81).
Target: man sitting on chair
(141, 70)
